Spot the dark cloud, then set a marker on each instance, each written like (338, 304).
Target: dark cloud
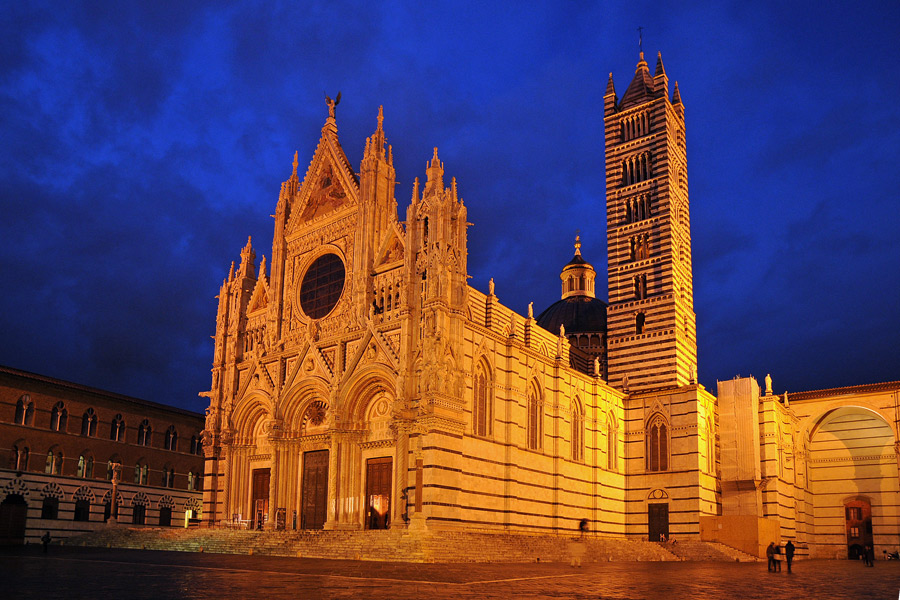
(143, 143)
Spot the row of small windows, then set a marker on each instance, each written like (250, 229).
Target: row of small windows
(59, 417)
(84, 469)
(639, 247)
(82, 511)
(577, 284)
(640, 287)
(637, 209)
(634, 126)
(636, 169)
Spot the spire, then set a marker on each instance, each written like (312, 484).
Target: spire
(660, 69)
(294, 172)
(248, 256)
(415, 194)
(435, 173)
(262, 267)
(577, 245)
(676, 95)
(641, 87)
(610, 87)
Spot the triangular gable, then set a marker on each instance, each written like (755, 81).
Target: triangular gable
(259, 298)
(391, 250)
(329, 185)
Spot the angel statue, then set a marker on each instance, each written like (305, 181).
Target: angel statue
(332, 104)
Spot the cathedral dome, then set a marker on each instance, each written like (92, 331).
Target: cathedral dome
(578, 310)
(579, 314)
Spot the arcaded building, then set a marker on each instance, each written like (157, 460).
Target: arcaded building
(359, 382)
(60, 443)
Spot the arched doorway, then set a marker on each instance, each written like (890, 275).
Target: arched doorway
(853, 480)
(13, 516)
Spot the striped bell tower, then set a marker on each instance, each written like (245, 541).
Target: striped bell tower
(651, 322)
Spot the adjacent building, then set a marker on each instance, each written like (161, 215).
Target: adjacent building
(60, 442)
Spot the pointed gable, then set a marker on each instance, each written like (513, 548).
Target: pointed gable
(391, 250)
(330, 183)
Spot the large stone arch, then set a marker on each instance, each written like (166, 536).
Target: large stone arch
(297, 400)
(362, 389)
(851, 452)
(248, 416)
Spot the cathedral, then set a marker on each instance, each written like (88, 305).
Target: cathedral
(359, 382)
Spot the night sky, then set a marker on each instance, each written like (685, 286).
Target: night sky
(143, 142)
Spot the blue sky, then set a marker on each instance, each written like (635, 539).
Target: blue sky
(144, 141)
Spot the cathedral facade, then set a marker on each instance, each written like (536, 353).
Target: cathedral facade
(359, 382)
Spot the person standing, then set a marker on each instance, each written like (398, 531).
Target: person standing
(770, 554)
(870, 554)
(45, 540)
(789, 554)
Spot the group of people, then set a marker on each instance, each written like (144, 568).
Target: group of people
(868, 555)
(773, 553)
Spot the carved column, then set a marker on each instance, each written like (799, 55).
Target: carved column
(332, 518)
(401, 477)
(273, 483)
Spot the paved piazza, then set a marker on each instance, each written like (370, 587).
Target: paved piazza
(136, 575)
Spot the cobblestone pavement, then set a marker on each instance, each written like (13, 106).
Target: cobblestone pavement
(68, 572)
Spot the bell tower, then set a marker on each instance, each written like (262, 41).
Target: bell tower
(651, 323)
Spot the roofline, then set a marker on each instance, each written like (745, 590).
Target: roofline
(845, 391)
(96, 391)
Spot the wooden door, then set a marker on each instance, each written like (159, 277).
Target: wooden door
(13, 515)
(259, 497)
(314, 494)
(657, 522)
(378, 493)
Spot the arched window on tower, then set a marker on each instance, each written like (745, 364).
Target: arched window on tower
(59, 416)
(482, 409)
(657, 444)
(639, 322)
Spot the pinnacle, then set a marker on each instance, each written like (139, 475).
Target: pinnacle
(660, 69)
(610, 87)
(676, 95)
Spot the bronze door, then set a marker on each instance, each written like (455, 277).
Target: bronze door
(259, 499)
(378, 493)
(657, 522)
(313, 511)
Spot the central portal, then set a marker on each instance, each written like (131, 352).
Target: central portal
(378, 493)
(315, 490)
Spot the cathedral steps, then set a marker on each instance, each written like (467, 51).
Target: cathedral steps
(695, 550)
(391, 545)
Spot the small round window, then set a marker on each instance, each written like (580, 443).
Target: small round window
(322, 286)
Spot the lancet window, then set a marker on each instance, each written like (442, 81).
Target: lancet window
(117, 429)
(577, 432)
(482, 413)
(535, 429)
(657, 444)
